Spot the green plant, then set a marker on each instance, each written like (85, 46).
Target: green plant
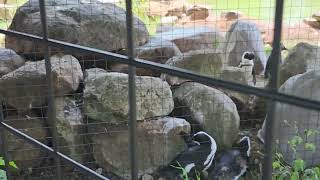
(184, 173)
(139, 9)
(3, 174)
(298, 169)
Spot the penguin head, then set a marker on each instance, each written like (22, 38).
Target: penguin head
(247, 55)
(247, 59)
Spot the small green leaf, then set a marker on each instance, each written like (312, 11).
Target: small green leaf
(298, 165)
(2, 163)
(276, 165)
(310, 147)
(296, 140)
(13, 164)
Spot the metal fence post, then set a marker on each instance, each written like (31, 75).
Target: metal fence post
(274, 84)
(132, 93)
(51, 106)
(4, 144)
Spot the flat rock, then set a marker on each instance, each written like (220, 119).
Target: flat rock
(192, 38)
(9, 61)
(205, 62)
(26, 87)
(106, 96)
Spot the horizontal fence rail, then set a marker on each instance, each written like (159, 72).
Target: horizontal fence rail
(179, 72)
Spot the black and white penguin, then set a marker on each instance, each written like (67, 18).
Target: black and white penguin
(247, 63)
(232, 164)
(267, 72)
(196, 158)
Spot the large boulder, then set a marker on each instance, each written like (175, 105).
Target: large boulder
(9, 61)
(70, 128)
(292, 120)
(158, 142)
(26, 86)
(209, 109)
(301, 58)
(156, 50)
(205, 62)
(92, 23)
(192, 38)
(106, 96)
(24, 154)
(244, 36)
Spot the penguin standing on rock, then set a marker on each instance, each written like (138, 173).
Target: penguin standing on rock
(247, 63)
(232, 164)
(196, 158)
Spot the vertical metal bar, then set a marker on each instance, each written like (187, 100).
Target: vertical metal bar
(51, 106)
(274, 84)
(4, 144)
(132, 93)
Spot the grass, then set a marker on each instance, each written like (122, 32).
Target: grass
(294, 10)
(139, 9)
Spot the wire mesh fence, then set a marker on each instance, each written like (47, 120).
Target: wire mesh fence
(77, 105)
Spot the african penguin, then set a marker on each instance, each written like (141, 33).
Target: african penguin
(247, 63)
(267, 72)
(196, 158)
(231, 164)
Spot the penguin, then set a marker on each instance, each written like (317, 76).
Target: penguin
(247, 62)
(196, 158)
(267, 72)
(232, 164)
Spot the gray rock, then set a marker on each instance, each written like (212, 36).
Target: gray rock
(237, 75)
(158, 143)
(197, 12)
(208, 108)
(146, 177)
(156, 50)
(291, 118)
(231, 15)
(104, 28)
(301, 58)
(192, 38)
(70, 128)
(106, 96)
(22, 152)
(205, 62)
(244, 36)
(9, 61)
(26, 86)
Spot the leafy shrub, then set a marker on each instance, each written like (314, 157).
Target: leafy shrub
(298, 169)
